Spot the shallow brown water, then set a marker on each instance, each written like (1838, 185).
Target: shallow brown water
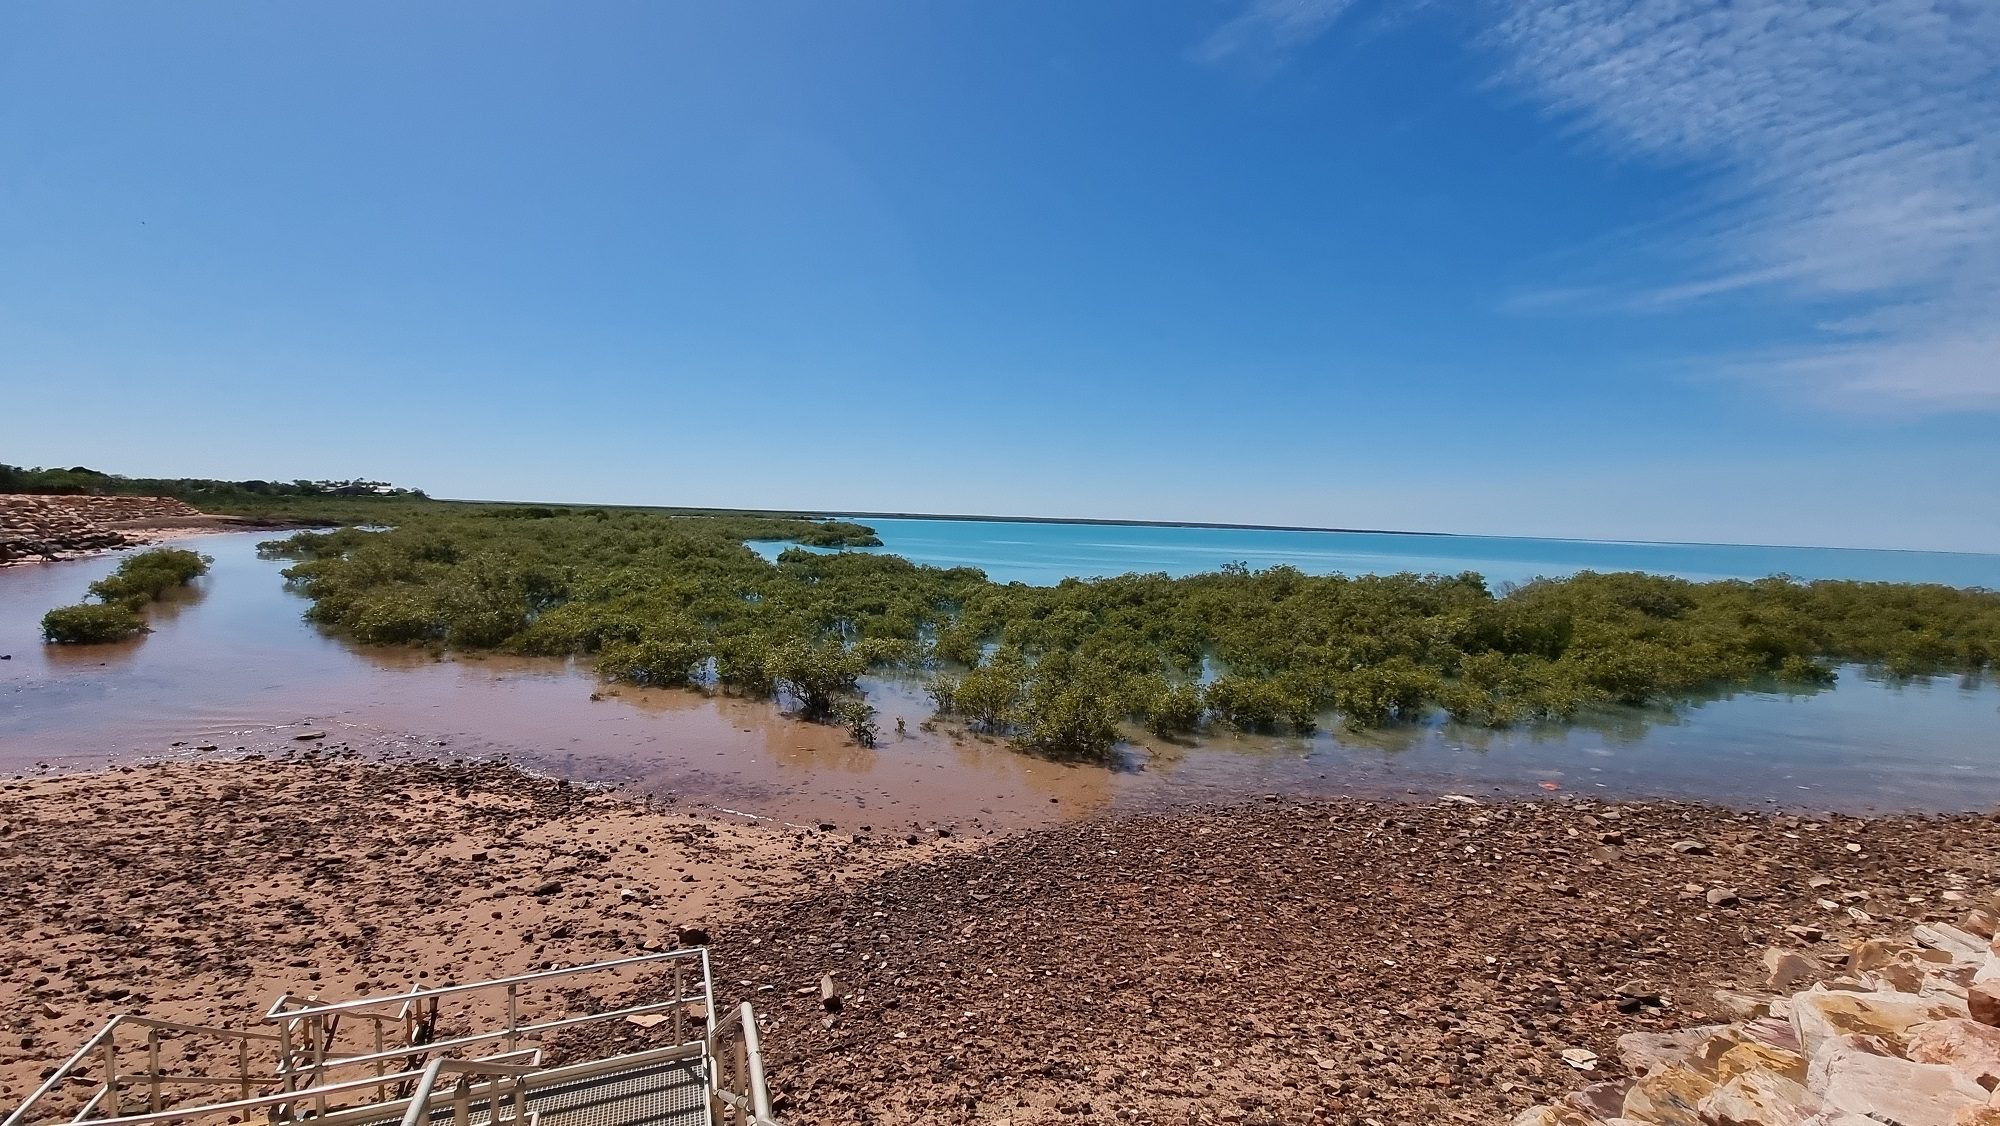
(231, 665)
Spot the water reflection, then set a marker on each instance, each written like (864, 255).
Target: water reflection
(233, 663)
(80, 657)
(174, 603)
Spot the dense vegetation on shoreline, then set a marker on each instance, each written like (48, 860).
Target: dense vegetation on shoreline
(121, 596)
(358, 501)
(666, 600)
(198, 491)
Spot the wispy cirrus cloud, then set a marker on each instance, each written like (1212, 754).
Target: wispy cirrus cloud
(1857, 161)
(1266, 30)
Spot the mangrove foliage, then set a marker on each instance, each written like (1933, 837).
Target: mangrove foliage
(122, 596)
(667, 600)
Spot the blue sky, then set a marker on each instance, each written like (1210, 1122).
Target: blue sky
(1553, 267)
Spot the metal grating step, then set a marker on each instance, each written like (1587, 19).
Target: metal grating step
(657, 1093)
(661, 1093)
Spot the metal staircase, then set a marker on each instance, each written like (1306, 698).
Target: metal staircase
(455, 1055)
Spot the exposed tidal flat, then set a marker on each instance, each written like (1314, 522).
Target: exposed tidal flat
(232, 663)
(1345, 961)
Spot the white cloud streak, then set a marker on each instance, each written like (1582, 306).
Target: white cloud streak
(1266, 30)
(1857, 152)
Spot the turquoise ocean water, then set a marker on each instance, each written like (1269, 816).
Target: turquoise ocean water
(1041, 553)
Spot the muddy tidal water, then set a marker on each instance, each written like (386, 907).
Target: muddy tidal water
(232, 667)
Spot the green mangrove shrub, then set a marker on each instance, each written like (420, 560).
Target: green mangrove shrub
(144, 577)
(90, 623)
(1066, 711)
(818, 675)
(858, 717)
(661, 598)
(137, 580)
(655, 662)
(1174, 709)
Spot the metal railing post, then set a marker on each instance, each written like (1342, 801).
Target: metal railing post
(753, 1068)
(680, 1005)
(513, 1013)
(711, 1059)
(320, 1033)
(111, 1073)
(707, 990)
(153, 1069)
(284, 1057)
(742, 1064)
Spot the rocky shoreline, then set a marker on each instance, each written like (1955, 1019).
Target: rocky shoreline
(1277, 961)
(47, 527)
(1354, 962)
(1901, 1030)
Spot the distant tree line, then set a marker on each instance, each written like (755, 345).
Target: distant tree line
(82, 479)
(676, 600)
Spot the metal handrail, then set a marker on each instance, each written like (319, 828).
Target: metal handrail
(107, 1037)
(754, 1101)
(371, 1113)
(278, 1013)
(61, 1073)
(420, 1099)
(518, 1030)
(319, 1023)
(240, 1105)
(307, 1031)
(753, 1051)
(279, 1098)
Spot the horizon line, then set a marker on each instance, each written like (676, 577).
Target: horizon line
(1121, 522)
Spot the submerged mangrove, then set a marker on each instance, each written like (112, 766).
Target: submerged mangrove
(663, 599)
(122, 595)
